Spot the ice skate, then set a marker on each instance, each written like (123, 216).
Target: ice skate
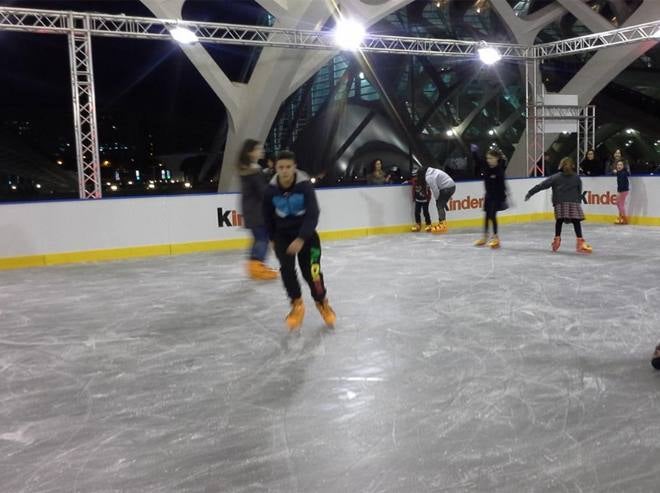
(327, 313)
(295, 317)
(481, 241)
(494, 242)
(556, 243)
(582, 246)
(261, 272)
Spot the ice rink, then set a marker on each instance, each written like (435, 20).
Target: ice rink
(451, 368)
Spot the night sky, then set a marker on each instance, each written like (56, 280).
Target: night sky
(142, 86)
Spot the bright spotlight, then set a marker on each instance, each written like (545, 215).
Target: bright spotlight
(114, 188)
(488, 55)
(38, 185)
(313, 180)
(491, 132)
(450, 133)
(183, 35)
(349, 34)
(187, 185)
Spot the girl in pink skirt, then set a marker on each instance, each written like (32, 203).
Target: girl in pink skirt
(566, 198)
(623, 188)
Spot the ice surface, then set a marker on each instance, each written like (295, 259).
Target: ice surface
(451, 369)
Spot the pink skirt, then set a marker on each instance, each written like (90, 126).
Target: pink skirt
(568, 211)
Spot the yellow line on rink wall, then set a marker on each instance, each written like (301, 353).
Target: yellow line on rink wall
(114, 254)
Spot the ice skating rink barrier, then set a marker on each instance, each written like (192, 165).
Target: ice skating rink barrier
(57, 232)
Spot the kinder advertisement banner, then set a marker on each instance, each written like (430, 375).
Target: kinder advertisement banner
(468, 201)
(600, 196)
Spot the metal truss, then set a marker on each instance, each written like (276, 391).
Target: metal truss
(535, 128)
(207, 32)
(591, 42)
(80, 27)
(586, 134)
(47, 21)
(538, 114)
(84, 114)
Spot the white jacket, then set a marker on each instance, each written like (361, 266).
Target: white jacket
(438, 180)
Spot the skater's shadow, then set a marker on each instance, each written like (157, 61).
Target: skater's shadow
(285, 373)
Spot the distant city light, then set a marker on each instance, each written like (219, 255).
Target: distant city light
(349, 34)
(14, 187)
(187, 184)
(114, 188)
(151, 186)
(130, 182)
(183, 35)
(60, 162)
(38, 185)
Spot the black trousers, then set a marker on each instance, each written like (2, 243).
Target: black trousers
(419, 207)
(491, 216)
(309, 260)
(442, 201)
(577, 225)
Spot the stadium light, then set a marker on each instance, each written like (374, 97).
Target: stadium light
(488, 55)
(349, 34)
(183, 35)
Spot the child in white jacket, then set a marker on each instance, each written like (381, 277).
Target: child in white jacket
(442, 187)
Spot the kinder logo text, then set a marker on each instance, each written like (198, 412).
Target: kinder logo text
(590, 198)
(229, 218)
(465, 204)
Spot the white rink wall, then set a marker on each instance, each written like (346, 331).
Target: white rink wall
(43, 228)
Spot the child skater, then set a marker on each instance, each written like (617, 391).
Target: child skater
(622, 188)
(291, 213)
(442, 188)
(421, 197)
(253, 186)
(566, 197)
(495, 198)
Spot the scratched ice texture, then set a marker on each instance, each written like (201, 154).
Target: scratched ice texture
(451, 368)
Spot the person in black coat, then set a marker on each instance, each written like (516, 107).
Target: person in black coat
(253, 188)
(493, 171)
(591, 165)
